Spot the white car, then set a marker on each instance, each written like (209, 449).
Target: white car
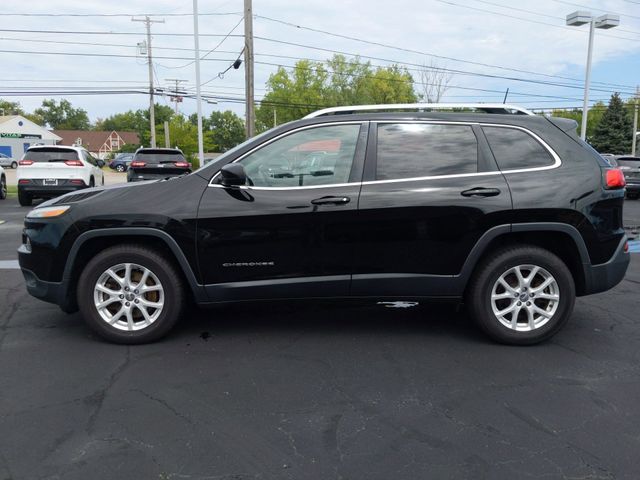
(6, 161)
(3, 184)
(47, 171)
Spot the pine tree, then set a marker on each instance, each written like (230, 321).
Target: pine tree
(613, 133)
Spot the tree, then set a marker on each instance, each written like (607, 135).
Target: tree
(225, 130)
(10, 108)
(434, 82)
(63, 116)
(613, 133)
(137, 121)
(315, 85)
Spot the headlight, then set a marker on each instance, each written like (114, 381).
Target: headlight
(48, 212)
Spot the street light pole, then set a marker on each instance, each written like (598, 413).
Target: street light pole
(605, 21)
(196, 40)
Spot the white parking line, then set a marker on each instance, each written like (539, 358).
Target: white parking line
(9, 265)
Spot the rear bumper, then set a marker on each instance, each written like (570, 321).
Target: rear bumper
(599, 278)
(632, 187)
(49, 190)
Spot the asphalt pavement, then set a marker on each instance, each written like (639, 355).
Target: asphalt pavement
(317, 391)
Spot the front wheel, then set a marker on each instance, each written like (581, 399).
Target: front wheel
(120, 168)
(130, 294)
(522, 295)
(3, 188)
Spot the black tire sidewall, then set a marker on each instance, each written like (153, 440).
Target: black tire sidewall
(166, 273)
(481, 297)
(24, 199)
(3, 188)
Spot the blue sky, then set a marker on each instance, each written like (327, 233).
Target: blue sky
(527, 35)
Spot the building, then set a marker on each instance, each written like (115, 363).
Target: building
(17, 134)
(99, 142)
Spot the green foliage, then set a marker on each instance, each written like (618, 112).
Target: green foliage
(223, 130)
(138, 121)
(613, 133)
(312, 86)
(10, 108)
(182, 134)
(62, 116)
(595, 115)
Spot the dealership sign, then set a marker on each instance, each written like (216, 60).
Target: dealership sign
(19, 135)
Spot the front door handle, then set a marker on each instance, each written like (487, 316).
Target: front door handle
(331, 200)
(481, 192)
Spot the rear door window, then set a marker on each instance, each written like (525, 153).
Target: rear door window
(515, 149)
(413, 150)
(51, 155)
(159, 156)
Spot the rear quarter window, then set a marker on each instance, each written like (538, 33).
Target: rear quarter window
(514, 149)
(413, 150)
(50, 155)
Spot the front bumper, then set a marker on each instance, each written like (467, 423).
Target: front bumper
(52, 292)
(603, 277)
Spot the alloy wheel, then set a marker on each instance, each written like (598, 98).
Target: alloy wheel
(525, 297)
(128, 296)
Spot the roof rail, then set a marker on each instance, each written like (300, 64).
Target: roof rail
(483, 107)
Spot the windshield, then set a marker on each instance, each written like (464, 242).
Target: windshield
(160, 156)
(50, 155)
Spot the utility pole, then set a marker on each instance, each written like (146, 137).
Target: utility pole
(167, 140)
(634, 140)
(152, 114)
(176, 96)
(248, 69)
(196, 40)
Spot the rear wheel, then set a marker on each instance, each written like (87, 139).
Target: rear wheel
(130, 294)
(632, 196)
(3, 188)
(14, 165)
(120, 168)
(24, 199)
(522, 295)
(92, 182)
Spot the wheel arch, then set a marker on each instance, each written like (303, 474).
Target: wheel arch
(91, 242)
(561, 239)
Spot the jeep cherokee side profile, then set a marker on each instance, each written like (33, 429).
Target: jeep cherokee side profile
(507, 211)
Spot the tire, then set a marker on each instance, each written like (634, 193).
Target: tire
(120, 168)
(632, 196)
(531, 326)
(123, 321)
(3, 188)
(24, 199)
(92, 182)
(14, 165)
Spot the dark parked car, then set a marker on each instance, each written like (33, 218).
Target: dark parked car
(630, 166)
(157, 164)
(462, 206)
(121, 162)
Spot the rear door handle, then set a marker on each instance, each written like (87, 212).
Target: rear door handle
(331, 200)
(481, 192)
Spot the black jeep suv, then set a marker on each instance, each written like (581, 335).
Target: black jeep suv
(511, 213)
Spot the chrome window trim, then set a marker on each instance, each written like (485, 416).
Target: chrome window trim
(557, 161)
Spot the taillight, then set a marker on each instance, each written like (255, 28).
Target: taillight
(614, 178)
(138, 164)
(77, 182)
(73, 163)
(182, 164)
(24, 181)
(25, 162)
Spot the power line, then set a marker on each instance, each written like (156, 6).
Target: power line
(403, 49)
(116, 14)
(463, 72)
(73, 54)
(97, 32)
(449, 2)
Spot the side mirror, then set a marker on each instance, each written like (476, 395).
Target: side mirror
(100, 163)
(233, 175)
